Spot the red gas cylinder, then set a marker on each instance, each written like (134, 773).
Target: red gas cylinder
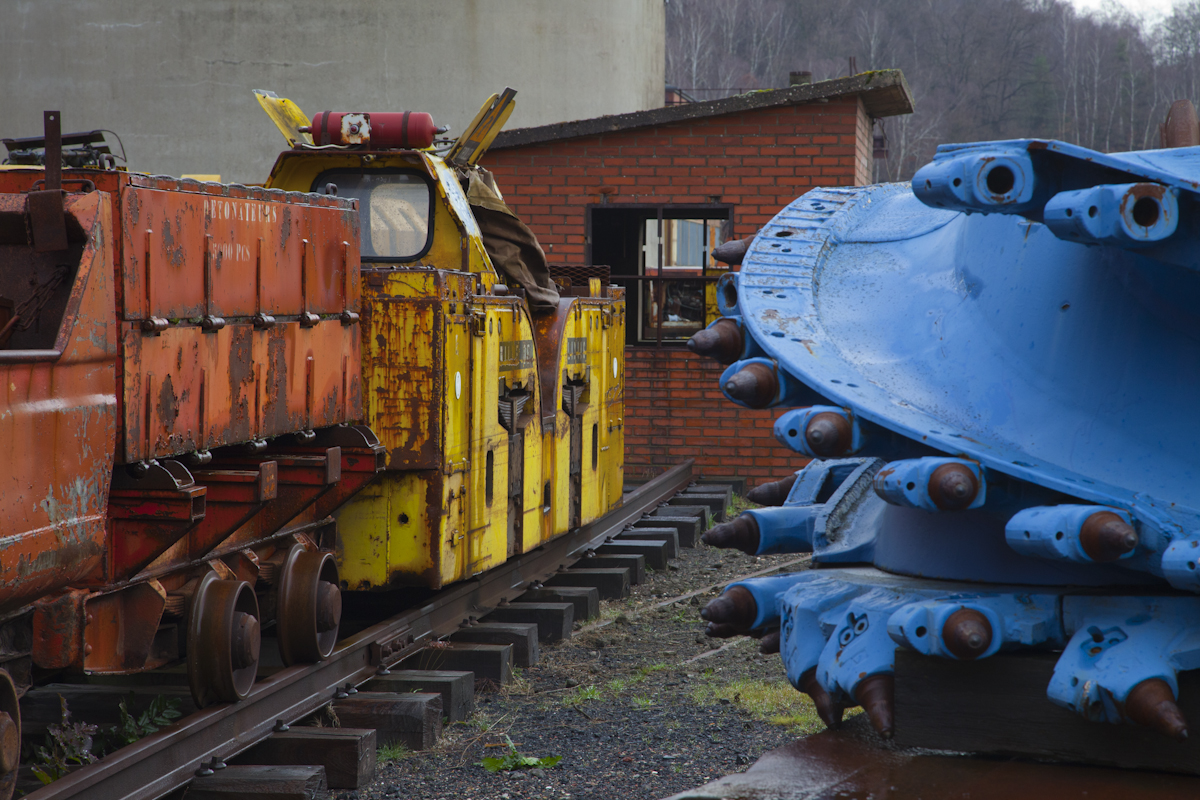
(379, 131)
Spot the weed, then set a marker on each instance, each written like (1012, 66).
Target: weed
(589, 692)
(514, 760)
(390, 753)
(68, 745)
(163, 711)
(642, 702)
(775, 702)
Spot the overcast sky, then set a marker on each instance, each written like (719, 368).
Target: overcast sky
(1152, 10)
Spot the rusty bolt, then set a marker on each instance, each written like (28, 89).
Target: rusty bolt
(828, 434)
(723, 341)
(772, 494)
(754, 384)
(245, 641)
(953, 487)
(741, 533)
(829, 711)
(967, 634)
(1106, 537)
(769, 643)
(10, 743)
(1151, 703)
(329, 606)
(735, 607)
(876, 694)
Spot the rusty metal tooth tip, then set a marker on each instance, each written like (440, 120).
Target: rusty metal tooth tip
(722, 341)
(967, 634)
(733, 251)
(735, 607)
(1104, 536)
(773, 493)
(769, 643)
(1152, 704)
(830, 712)
(740, 533)
(953, 487)
(722, 630)
(754, 384)
(876, 694)
(828, 434)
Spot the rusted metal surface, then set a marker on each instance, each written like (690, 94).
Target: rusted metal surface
(844, 764)
(722, 341)
(309, 606)
(773, 493)
(10, 735)
(756, 385)
(59, 419)
(47, 220)
(1104, 536)
(548, 335)
(168, 759)
(741, 533)
(223, 640)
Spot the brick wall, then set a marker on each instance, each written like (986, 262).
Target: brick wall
(758, 161)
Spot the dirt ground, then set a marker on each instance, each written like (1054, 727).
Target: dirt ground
(638, 704)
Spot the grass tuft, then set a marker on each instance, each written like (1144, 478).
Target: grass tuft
(775, 702)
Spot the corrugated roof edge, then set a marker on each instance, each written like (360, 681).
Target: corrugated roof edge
(884, 93)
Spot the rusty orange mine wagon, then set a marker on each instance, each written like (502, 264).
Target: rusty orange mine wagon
(181, 369)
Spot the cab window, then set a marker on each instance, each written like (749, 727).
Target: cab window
(395, 210)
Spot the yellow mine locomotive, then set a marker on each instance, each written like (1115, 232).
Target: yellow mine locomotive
(496, 388)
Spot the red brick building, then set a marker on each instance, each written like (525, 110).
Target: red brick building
(650, 193)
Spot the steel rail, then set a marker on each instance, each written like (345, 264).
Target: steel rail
(167, 760)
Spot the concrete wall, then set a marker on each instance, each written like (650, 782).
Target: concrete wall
(174, 78)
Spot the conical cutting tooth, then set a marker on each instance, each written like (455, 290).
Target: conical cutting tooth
(1104, 536)
(735, 607)
(953, 487)
(773, 493)
(769, 643)
(754, 384)
(733, 251)
(876, 694)
(741, 534)
(1152, 703)
(967, 634)
(828, 434)
(829, 711)
(722, 630)
(722, 341)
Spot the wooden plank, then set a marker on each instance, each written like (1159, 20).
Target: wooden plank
(554, 621)
(717, 503)
(677, 507)
(633, 562)
(664, 534)
(652, 550)
(457, 688)
(413, 720)
(523, 636)
(612, 584)
(347, 754)
(999, 705)
(585, 599)
(261, 783)
(688, 527)
(492, 662)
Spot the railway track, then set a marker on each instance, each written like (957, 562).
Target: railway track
(165, 761)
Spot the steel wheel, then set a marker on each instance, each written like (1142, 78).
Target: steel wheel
(10, 735)
(223, 641)
(309, 608)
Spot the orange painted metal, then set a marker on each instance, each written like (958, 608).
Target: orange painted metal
(59, 420)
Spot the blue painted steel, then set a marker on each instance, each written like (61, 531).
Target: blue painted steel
(766, 592)
(1053, 531)
(906, 483)
(1030, 309)
(790, 428)
(791, 391)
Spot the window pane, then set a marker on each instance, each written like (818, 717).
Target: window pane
(393, 210)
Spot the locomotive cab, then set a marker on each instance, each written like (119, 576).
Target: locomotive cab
(501, 412)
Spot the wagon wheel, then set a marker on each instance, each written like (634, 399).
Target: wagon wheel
(223, 641)
(10, 735)
(309, 606)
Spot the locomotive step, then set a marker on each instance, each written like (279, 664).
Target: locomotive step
(348, 755)
(456, 688)
(413, 720)
(523, 636)
(585, 599)
(554, 621)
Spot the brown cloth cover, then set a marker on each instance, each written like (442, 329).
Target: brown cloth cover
(509, 243)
